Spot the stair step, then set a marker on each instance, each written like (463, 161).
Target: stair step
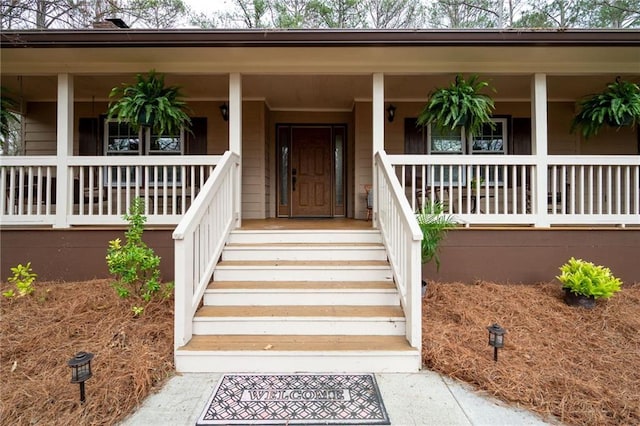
(323, 320)
(235, 293)
(286, 270)
(297, 353)
(304, 251)
(306, 236)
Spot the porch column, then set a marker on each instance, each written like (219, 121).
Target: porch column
(235, 135)
(378, 134)
(539, 147)
(64, 149)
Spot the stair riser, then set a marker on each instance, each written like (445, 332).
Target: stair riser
(303, 237)
(292, 362)
(275, 298)
(300, 326)
(303, 253)
(300, 274)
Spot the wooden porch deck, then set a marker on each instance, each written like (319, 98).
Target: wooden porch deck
(293, 224)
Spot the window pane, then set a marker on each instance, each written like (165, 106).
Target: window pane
(449, 141)
(165, 144)
(284, 175)
(338, 162)
(121, 139)
(491, 140)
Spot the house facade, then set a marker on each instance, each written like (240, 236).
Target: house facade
(321, 100)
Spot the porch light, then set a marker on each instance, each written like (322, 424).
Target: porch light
(224, 110)
(81, 370)
(496, 339)
(391, 112)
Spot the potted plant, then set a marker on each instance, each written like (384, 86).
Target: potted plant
(459, 105)
(148, 103)
(434, 225)
(617, 106)
(583, 283)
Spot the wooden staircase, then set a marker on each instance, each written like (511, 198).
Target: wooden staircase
(300, 300)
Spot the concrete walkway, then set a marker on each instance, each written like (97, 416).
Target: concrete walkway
(423, 398)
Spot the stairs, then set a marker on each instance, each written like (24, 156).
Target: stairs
(300, 300)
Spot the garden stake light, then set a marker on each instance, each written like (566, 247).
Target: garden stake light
(81, 370)
(496, 339)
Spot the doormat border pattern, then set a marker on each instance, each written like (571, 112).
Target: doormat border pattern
(295, 399)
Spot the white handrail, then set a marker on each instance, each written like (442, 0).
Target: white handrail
(199, 239)
(401, 236)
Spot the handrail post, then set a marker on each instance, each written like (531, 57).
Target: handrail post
(183, 261)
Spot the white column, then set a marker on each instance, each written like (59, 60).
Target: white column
(64, 137)
(539, 146)
(378, 134)
(235, 135)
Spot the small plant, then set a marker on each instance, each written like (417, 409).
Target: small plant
(137, 310)
(584, 278)
(23, 278)
(434, 225)
(134, 264)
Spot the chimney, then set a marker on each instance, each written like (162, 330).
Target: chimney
(110, 23)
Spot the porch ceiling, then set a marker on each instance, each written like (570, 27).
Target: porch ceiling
(310, 91)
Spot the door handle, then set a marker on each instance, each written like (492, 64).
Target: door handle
(293, 183)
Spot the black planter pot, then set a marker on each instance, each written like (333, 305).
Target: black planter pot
(572, 299)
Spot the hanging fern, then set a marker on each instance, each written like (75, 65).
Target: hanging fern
(459, 105)
(7, 117)
(617, 106)
(148, 103)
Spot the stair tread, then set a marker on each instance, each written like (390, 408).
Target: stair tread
(301, 285)
(305, 245)
(300, 311)
(296, 343)
(308, 263)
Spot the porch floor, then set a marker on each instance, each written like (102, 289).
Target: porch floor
(312, 223)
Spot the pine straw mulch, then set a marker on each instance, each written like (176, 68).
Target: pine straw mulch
(40, 333)
(581, 366)
(578, 365)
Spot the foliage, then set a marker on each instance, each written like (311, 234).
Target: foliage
(134, 264)
(148, 103)
(585, 278)
(617, 106)
(459, 105)
(434, 225)
(7, 117)
(23, 278)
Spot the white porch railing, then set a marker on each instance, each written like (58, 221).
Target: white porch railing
(28, 189)
(401, 236)
(100, 190)
(199, 239)
(502, 190)
(594, 190)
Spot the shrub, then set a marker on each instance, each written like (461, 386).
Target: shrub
(434, 225)
(586, 279)
(134, 264)
(23, 278)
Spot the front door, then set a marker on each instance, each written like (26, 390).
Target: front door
(311, 172)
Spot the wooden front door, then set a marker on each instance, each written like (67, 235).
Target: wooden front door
(311, 172)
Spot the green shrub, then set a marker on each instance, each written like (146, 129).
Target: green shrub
(23, 278)
(434, 225)
(586, 279)
(134, 264)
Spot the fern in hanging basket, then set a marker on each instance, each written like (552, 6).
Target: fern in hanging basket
(459, 105)
(617, 106)
(148, 103)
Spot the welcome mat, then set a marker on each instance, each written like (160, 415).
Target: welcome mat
(295, 399)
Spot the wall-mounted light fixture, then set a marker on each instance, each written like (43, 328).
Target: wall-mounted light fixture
(391, 112)
(224, 110)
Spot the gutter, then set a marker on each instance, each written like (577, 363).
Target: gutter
(98, 38)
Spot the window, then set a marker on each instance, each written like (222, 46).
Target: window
(491, 140)
(123, 140)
